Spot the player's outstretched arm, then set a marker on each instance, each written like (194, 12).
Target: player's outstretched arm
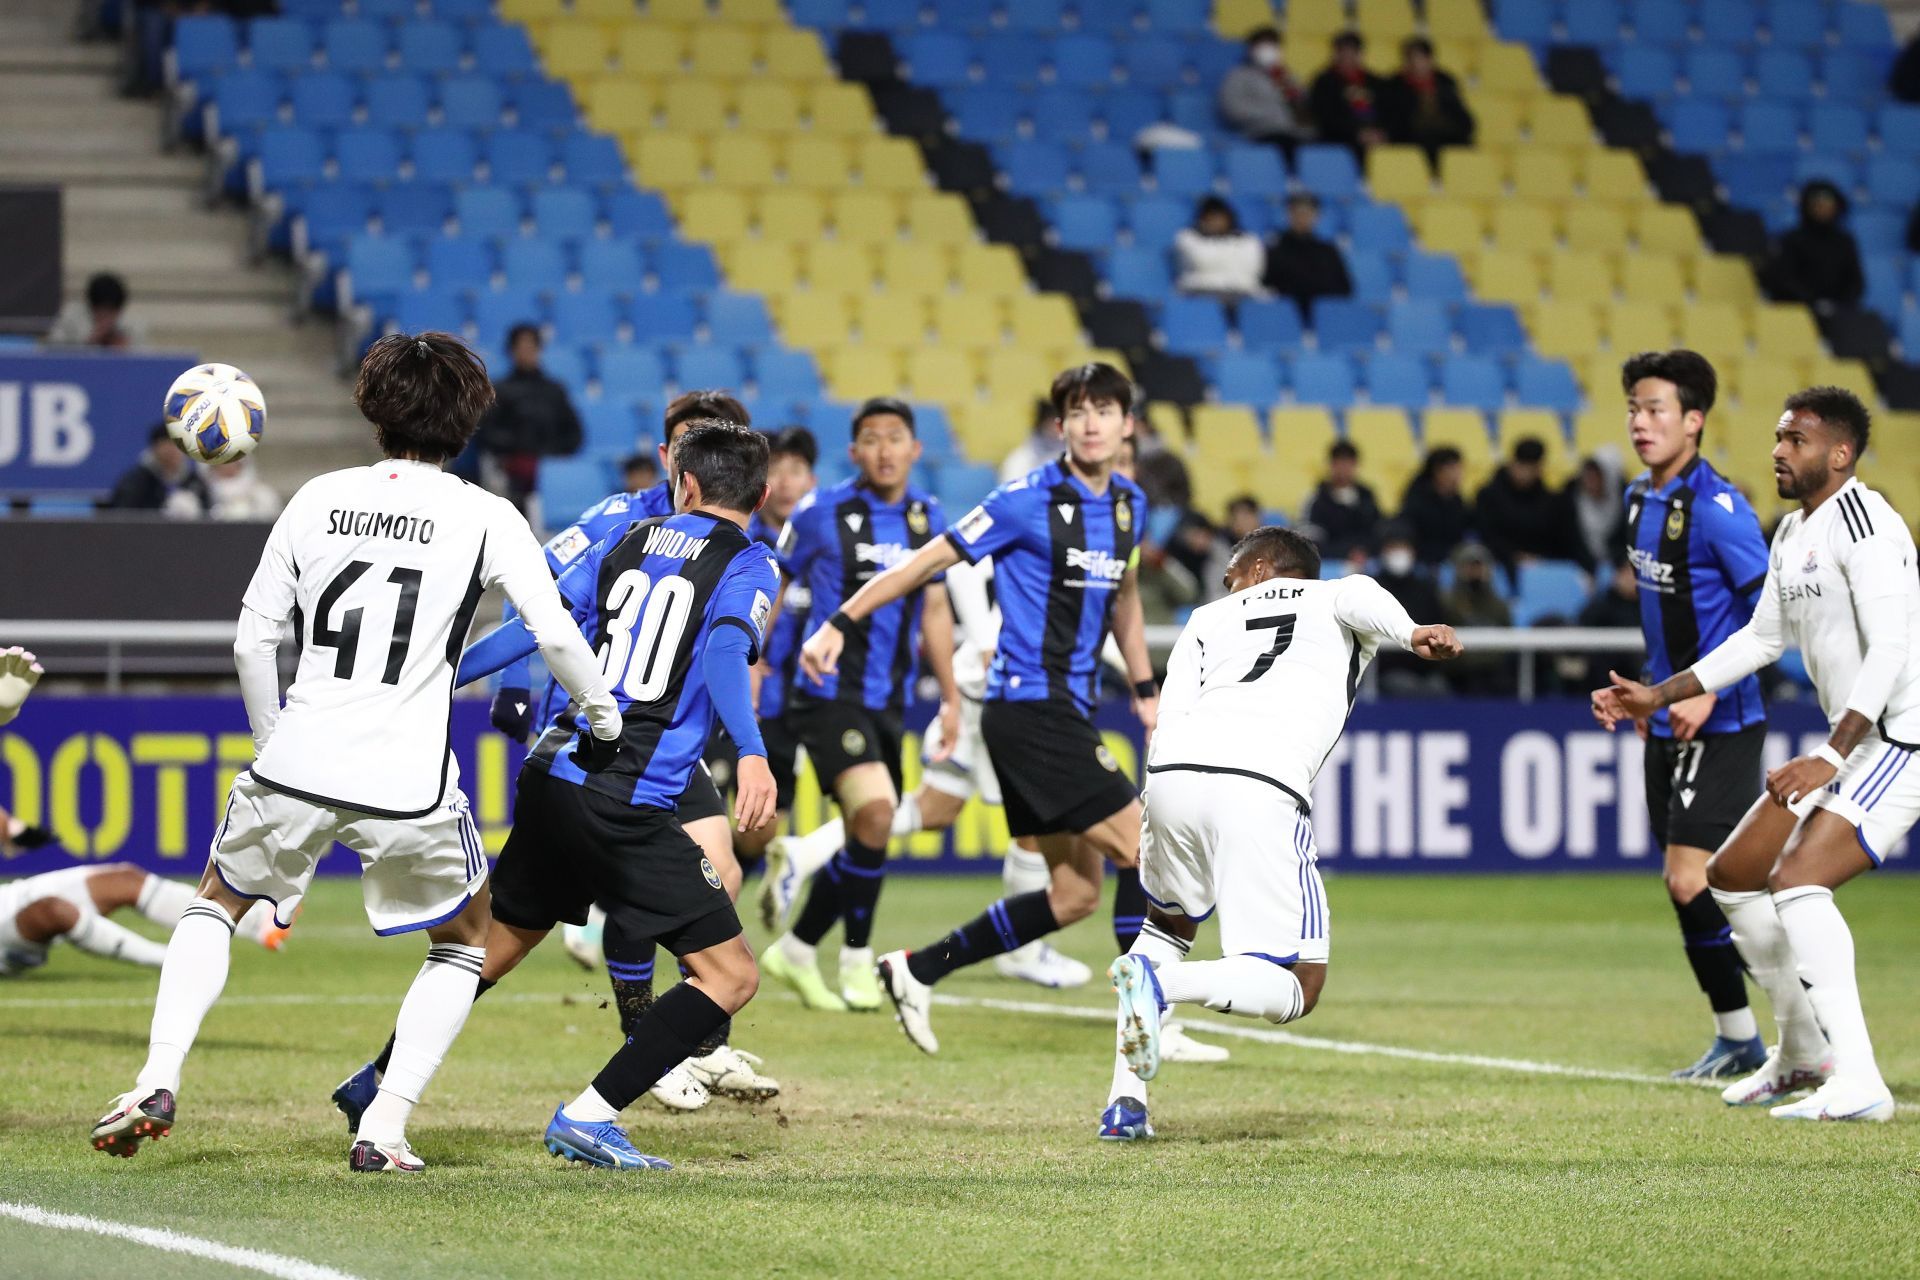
(1436, 643)
(501, 649)
(820, 656)
(19, 672)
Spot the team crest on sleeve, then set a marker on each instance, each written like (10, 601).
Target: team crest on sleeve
(1676, 522)
(917, 519)
(762, 606)
(1106, 759)
(706, 869)
(974, 524)
(1122, 515)
(566, 546)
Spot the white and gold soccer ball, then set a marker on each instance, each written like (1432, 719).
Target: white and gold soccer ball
(216, 413)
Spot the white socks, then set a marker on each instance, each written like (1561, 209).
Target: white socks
(1823, 948)
(1246, 985)
(1763, 944)
(191, 978)
(590, 1108)
(163, 901)
(802, 954)
(814, 850)
(431, 1016)
(1736, 1024)
(906, 816)
(100, 936)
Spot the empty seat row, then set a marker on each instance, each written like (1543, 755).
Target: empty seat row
(284, 155)
(1201, 326)
(392, 263)
(575, 47)
(210, 44)
(1028, 17)
(1717, 71)
(1768, 126)
(1077, 60)
(1338, 379)
(1786, 23)
(250, 98)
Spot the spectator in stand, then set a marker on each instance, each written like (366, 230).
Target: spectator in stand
(1345, 99)
(1599, 516)
(1342, 508)
(1218, 258)
(1040, 447)
(532, 418)
(100, 321)
(1261, 101)
(1421, 106)
(1903, 82)
(1517, 516)
(164, 479)
(1435, 506)
(238, 492)
(1474, 601)
(639, 472)
(1400, 573)
(1817, 262)
(1303, 265)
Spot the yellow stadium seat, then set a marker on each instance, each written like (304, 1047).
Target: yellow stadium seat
(1561, 122)
(838, 265)
(1043, 320)
(1465, 430)
(742, 160)
(1786, 329)
(619, 105)
(1850, 374)
(1235, 18)
(685, 12)
(1515, 425)
(818, 164)
(1451, 226)
(939, 217)
(940, 373)
(1724, 278)
(1765, 386)
(575, 50)
(856, 372)
(1497, 119)
(762, 13)
(1566, 328)
(812, 319)
(1399, 174)
(1589, 276)
(1895, 478)
(912, 267)
(1543, 175)
(1389, 454)
(1456, 19)
(891, 164)
(890, 319)
(1612, 176)
(866, 217)
(1599, 428)
(540, 11)
(991, 428)
(791, 217)
(1713, 327)
(1652, 275)
(794, 54)
(622, 12)
(694, 106)
(1665, 228)
(1599, 372)
(651, 49)
(714, 214)
(969, 320)
(1013, 373)
(1593, 228)
(1385, 23)
(1638, 325)
(990, 268)
(1518, 224)
(1313, 19)
(1230, 431)
(840, 109)
(767, 106)
(1300, 437)
(665, 159)
(1461, 56)
(1469, 175)
(761, 266)
(1501, 275)
(1507, 68)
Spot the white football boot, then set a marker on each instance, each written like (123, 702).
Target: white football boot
(680, 1090)
(1841, 1099)
(732, 1072)
(1177, 1046)
(1775, 1080)
(912, 1000)
(1041, 965)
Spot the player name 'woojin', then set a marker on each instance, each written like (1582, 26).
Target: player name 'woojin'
(379, 524)
(662, 541)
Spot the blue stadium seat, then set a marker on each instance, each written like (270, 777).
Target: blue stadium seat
(1126, 112)
(1419, 327)
(738, 318)
(1153, 63)
(1769, 127)
(1729, 22)
(1182, 172)
(1379, 228)
(567, 365)
(1154, 220)
(1657, 21)
(1061, 114)
(367, 153)
(1594, 22)
(1372, 275)
(1323, 379)
(593, 160)
(1699, 127)
(614, 264)
(289, 154)
(1212, 58)
(1247, 377)
(1894, 179)
(1345, 324)
(1491, 329)
(519, 156)
(459, 262)
(1474, 381)
(429, 48)
(1193, 109)
(1714, 71)
(355, 45)
(334, 212)
(1109, 166)
(445, 154)
(1436, 277)
(399, 101)
(502, 49)
(1255, 213)
(1647, 71)
(540, 103)
(1783, 73)
(1083, 61)
(964, 484)
(609, 426)
(203, 45)
(1549, 588)
(1863, 26)
(413, 207)
(1010, 58)
(380, 266)
(573, 484)
(1270, 324)
(1910, 332)
(1032, 166)
(1899, 128)
(984, 113)
(893, 15)
(1797, 23)
(1042, 17)
(1193, 326)
(666, 316)
(1885, 286)
(940, 59)
(630, 373)
(1851, 76)
(1832, 166)
(1329, 172)
(967, 15)
(388, 10)
(1178, 15)
(1088, 223)
(564, 213)
(280, 44)
(323, 100)
(1879, 230)
(708, 365)
(492, 212)
(786, 377)
(1255, 171)
(819, 13)
(1755, 181)
(1139, 273)
(470, 102)
(244, 100)
(1396, 379)
(1546, 384)
(590, 315)
(1527, 21)
(679, 265)
(534, 264)
(429, 308)
(640, 214)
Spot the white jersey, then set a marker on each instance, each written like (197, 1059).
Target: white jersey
(1261, 682)
(1838, 580)
(381, 568)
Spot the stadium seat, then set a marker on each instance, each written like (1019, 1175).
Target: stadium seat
(1269, 325)
(323, 99)
(1547, 384)
(1475, 381)
(1549, 588)
(1247, 377)
(1397, 379)
(1419, 327)
(1345, 324)
(1323, 380)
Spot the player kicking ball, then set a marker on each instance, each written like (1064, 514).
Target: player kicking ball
(381, 569)
(1841, 588)
(1257, 693)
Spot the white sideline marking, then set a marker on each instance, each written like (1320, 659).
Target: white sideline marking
(267, 1264)
(1262, 1034)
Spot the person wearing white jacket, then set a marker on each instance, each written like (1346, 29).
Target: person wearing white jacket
(1217, 256)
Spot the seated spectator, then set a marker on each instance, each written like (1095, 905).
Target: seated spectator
(1599, 515)
(1217, 257)
(1343, 509)
(1474, 601)
(100, 321)
(238, 493)
(1345, 98)
(639, 472)
(1399, 572)
(1517, 516)
(164, 480)
(1260, 100)
(1817, 262)
(532, 418)
(1435, 507)
(1421, 106)
(1303, 265)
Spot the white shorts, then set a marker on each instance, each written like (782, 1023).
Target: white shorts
(17, 895)
(1219, 840)
(1877, 792)
(968, 769)
(414, 872)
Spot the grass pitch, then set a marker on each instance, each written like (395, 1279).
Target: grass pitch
(878, 1161)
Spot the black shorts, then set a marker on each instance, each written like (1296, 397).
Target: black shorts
(701, 799)
(571, 848)
(1698, 791)
(839, 735)
(1055, 773)
(782, 752)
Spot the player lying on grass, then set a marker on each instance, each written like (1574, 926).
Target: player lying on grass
(1257, 694)
(1841, 588)
(72, 906)
(382, 567)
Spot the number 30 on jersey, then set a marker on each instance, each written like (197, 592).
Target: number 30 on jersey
(645, 623)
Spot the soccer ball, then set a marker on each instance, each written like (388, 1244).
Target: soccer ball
(215, 413)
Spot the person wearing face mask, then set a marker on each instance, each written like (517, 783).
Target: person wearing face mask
(1217, 257)
(1399, 572)
(1344, 509)
(1260, 100)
